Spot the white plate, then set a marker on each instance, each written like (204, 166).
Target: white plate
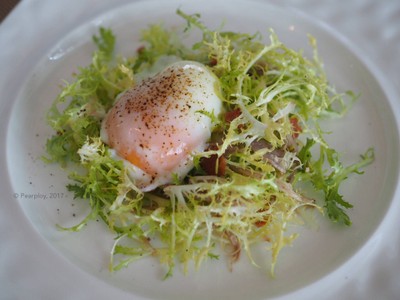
(318, 257)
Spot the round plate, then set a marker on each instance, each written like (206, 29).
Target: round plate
(40, 188)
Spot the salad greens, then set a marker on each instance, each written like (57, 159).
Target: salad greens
(245, 187)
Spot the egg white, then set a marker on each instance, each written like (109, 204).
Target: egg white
(160, 121)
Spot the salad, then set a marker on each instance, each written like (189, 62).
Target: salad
(265, 159)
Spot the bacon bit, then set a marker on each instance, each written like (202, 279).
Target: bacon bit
(208, 164)
(221, 166)
(257, 69)
(140, 49)
(275, 157)
(213, 62)
(232, 115)
(296, 126)
(260, 223)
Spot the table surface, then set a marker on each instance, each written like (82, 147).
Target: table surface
(5, 7)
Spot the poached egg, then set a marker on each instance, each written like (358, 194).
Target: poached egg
(156, 126)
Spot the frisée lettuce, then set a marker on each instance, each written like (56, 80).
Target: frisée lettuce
(246, 188)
